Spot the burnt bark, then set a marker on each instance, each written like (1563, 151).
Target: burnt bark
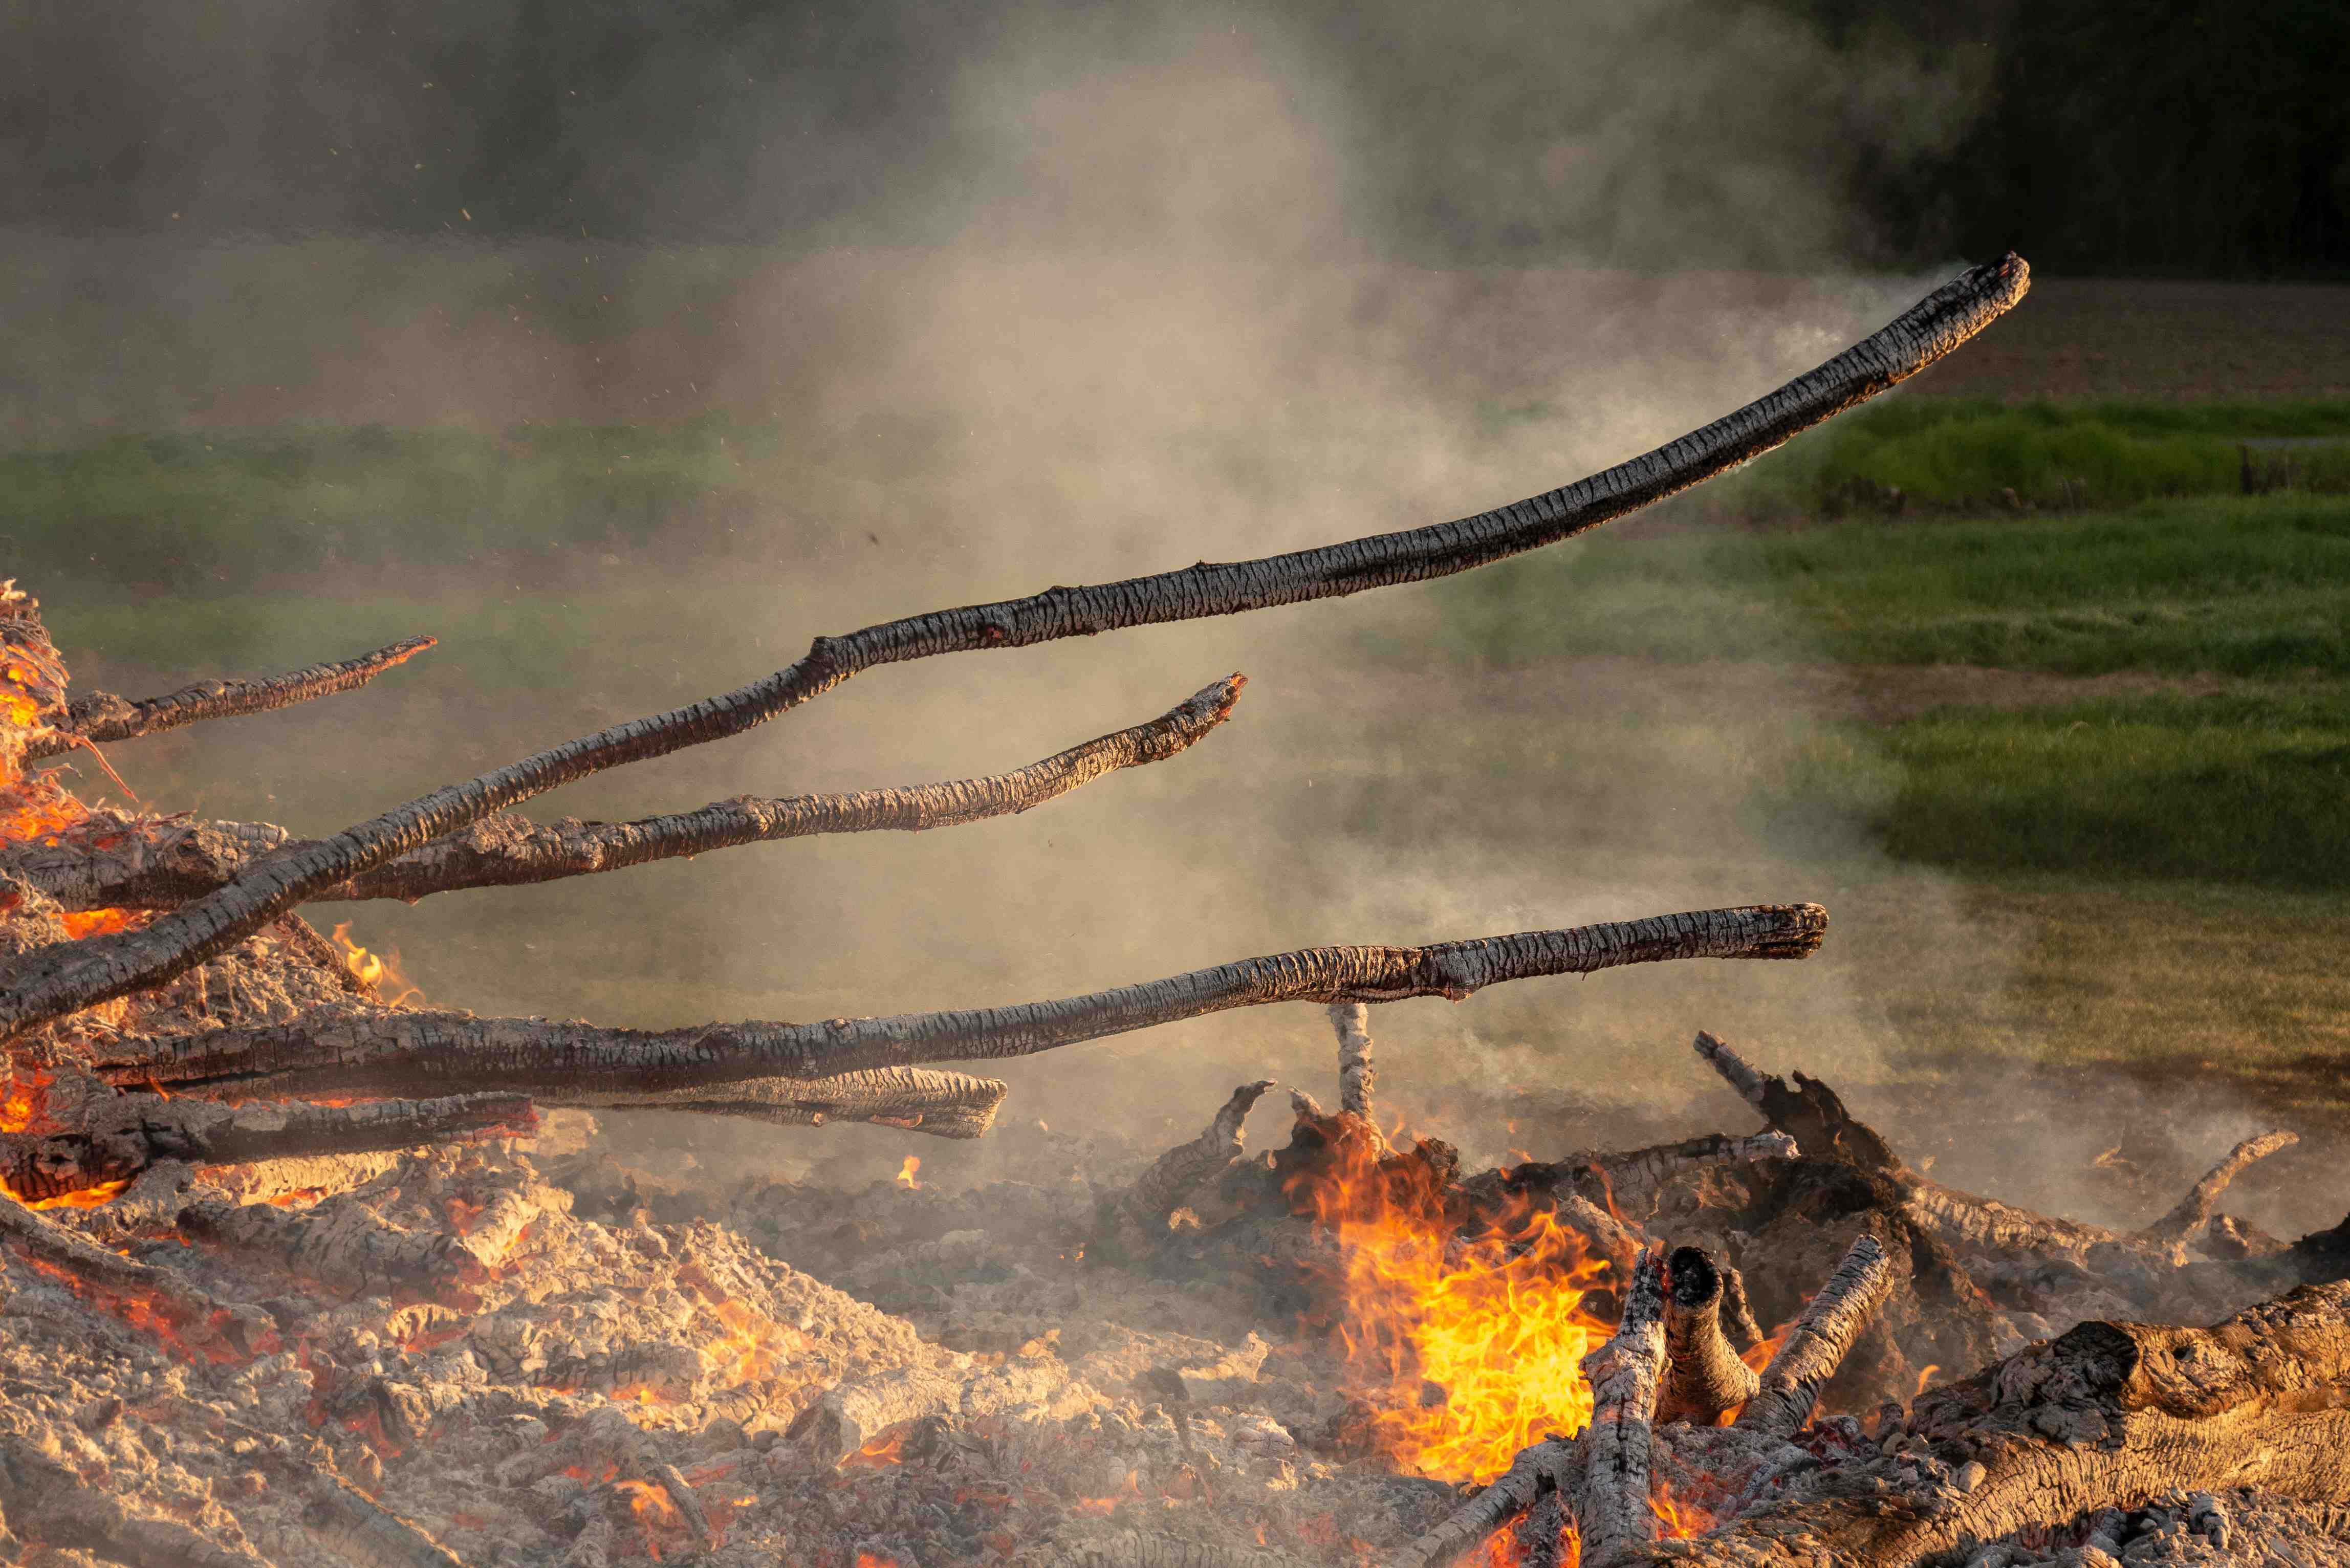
(115, 861)
(1705, 1376)
(2109, 1415)
(1626, 1375)
(144, 1130)
(1814, 1348)
(344, 1049)
(101, 716)
(65, 978)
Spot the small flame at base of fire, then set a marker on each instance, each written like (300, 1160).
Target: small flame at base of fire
(906, 1172)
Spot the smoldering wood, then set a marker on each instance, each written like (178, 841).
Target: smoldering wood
(142, 1131)
(126, 1284)
(1144, 1208)
(1806, 1109)
(343, 1048)
(1627, 1180)
(1554, 1466)
(54, 982)
(2105, 1416)
(1704, 1376)
(113, 860)
(101, 717)
(2186, 1222)
(912, 1099)
(339, 1244)
(1626, 1375)
(1790, 1386)
(49, 1501)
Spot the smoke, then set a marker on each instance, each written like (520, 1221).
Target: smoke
(1180, 283)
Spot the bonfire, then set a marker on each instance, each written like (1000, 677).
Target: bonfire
(300, 1271)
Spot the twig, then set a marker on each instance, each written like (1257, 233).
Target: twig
(343, 1048)
(103, 716)
(1356, 1078)
(2186, 1222)
(63, 978)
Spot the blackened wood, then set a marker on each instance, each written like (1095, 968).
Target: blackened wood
(346, 1048)
(1815, 1346)
(101, 716)
(53, 982)
(1704, 1376)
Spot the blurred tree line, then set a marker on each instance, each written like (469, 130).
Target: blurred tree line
(2203, 137)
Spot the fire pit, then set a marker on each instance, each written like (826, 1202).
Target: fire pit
(298, 1271)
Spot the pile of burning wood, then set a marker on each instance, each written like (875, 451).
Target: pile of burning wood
(297, 1273)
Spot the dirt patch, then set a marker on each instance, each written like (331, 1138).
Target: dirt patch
(2167, 341)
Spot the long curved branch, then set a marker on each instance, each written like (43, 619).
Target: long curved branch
(111, 863)
(343, 1048)
(103, 716)
(54, 980)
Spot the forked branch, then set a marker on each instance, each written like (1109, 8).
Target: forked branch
(345, 1049)
(167, 863)
(101, 716)
(52, 981)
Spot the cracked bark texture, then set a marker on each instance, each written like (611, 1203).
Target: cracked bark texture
(117, 861)
(138, 1131)
(1815, 1346)
(2109, 1415)
(1704, 1378)
(53, 982)
(102, 716)
(342, 1049)
(1626, 1375)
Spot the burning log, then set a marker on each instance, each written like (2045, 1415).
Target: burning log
(1815, 1347)
(115, 861)
(342, 1048)
(142, 1131)
(101, 716)
(1706, 1379)
(65, 978)
(1129, 1222)
(2107, 1416)
(1613, 1515)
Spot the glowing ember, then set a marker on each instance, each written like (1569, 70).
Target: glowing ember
(82, 923)
(105, 1193)
(1468, 1348)
(24, 1101)
(906, 1172)
(887, 1448)
(654, 1512)
(1926, 1377)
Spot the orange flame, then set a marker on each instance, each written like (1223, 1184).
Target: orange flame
(655, 1512)
(906, 1172)
(96, 1196)
(1468, 1348)
(24, 1102)
(378, 970)
(1926, 1376)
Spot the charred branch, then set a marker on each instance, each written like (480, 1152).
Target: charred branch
(1143, 1208)
(113, 861)
(2174, 1230)
(1626, 1376)
(1627, 1180)
(913, 1099)
(101, 716)
(131, 1288)
(345, 1049)
(1815, 1346)
(1806, 1109)
(65, 978)
(340, 1244)
(1705, 1376)
(1554, 1467)
(145, 1131)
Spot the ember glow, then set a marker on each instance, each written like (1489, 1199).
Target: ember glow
(906, 1172)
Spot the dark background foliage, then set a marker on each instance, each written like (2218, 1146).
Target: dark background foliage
(2197, 137)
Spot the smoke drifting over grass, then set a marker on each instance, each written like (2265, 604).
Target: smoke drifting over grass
(1172, 300)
